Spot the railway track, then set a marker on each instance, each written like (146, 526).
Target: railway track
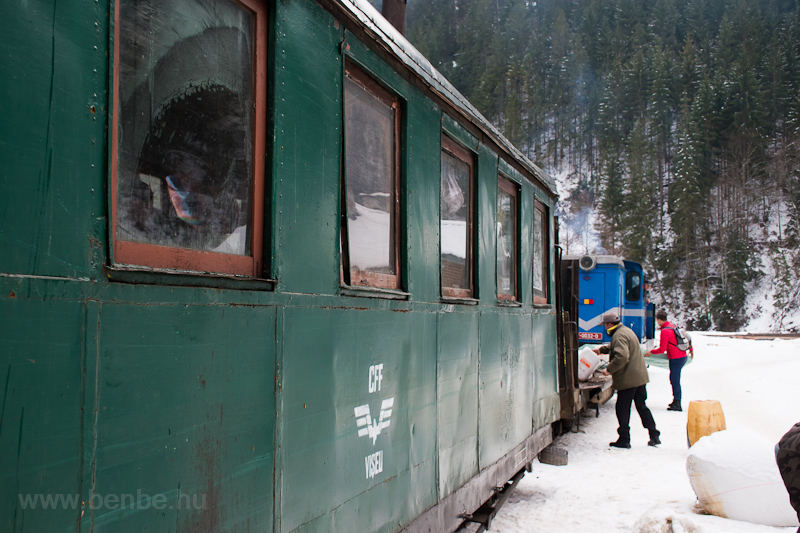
(763, 336)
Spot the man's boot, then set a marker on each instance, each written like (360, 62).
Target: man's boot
(674, 406)
(654, 440)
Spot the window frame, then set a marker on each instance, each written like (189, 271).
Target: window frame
(348, 274)
(542, 297)
(512, 188)
(457, 151)
(160, 257)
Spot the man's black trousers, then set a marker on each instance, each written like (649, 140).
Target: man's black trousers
(637, 396)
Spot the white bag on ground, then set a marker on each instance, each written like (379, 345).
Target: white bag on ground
(588, 361)
(734, 475)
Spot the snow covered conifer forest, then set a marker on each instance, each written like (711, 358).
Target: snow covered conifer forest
(671, 126)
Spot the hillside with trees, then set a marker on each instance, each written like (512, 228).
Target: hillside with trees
(673, 127)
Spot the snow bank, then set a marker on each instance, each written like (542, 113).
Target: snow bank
(662, 520)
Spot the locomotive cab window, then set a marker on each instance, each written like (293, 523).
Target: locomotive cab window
(371, 206)
(507, 231)
(456, 220)
(188, 134)
(633, 286)
(541, 256)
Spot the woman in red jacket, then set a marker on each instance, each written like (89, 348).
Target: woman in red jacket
(677, 358)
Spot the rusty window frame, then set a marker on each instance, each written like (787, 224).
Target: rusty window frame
(513, 189)
(541, 297)
(173, 258)
(353, 276)
(459, 152)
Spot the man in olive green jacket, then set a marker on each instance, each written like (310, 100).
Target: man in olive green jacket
(629, 372)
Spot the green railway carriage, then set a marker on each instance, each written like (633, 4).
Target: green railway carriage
(261, 269)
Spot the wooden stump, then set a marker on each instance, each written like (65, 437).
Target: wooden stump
(704, 418)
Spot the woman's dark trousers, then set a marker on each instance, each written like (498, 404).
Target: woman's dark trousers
(637, 396)
(675, 367)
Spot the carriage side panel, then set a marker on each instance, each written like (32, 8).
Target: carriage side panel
(185, 413)
(52, 138)
(41, 404)
(358, 418)
(308, 149)
(458, 356)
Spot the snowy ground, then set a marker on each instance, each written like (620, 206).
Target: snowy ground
(605, 489)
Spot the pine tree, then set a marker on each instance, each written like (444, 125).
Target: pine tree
(680, 120)
(640, 209)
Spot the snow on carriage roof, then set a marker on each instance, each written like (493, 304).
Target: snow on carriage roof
(362, 12)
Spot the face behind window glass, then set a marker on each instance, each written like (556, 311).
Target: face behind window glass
(184, 173)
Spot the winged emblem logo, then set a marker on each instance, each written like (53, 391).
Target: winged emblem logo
(368, 426)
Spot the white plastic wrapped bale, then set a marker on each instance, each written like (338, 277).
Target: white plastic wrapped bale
(588, 361)
(734, 475)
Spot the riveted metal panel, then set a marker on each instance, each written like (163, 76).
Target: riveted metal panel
(526, 210)
(185, 413)
(505, 383)
(53, 56)
(424, 158)
(341, 366)
(458, 355)
(308, 149)
(41, 410)
(486, 219)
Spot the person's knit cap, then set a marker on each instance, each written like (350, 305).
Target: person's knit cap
(610, 318)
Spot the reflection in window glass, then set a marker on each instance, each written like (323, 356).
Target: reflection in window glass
(456, 226)
(371, 186)
(186, 124)
(540, 253)
(633, 286)
(506, 240)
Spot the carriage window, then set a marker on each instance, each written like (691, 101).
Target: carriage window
(370, 236)
(507, 228)
(456, 220)
(633, 286)
(540, 253)
(187, 178)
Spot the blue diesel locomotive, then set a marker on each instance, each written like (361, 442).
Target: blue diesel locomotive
(610, 284)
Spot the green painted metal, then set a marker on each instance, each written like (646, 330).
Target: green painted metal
(335, 361)
(53, 101)
(244, 394)
(545, 372)
(424, 157)
(459, 133)
(307, 152)
(42, 436)
(458, 374)
(185, 409)
(505, 384)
